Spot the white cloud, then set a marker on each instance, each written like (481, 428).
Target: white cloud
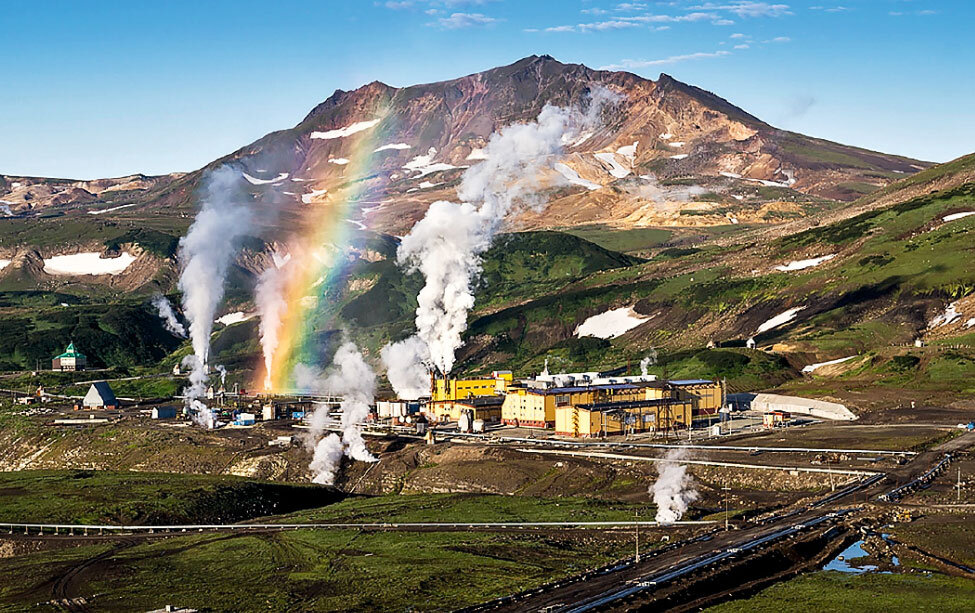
(397, 5)
(922, 13)
(743, 8)
(612, 24)
(780, 39)
(691, 17)
(631, 6)
(674, 59)
(595, 26)
(457, 21)
(742, 46)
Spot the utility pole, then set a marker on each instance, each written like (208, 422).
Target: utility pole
(637, 558)
(958, 487)
(726, 490)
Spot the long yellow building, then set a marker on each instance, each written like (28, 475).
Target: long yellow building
(707, 397)
(448, 389)
(604, 418)
(612, 408)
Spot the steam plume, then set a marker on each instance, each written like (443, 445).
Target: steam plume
(447, 244)
(166, 313)
(673, 491)
(405, 367)
(351, 378)
(206, 253)
(649, 360)
(271, 305)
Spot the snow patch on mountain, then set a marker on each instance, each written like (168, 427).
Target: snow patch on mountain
(256, 181)
(346, 131)
(629, 151)
(814, 367)
(615, 168)
(91, 263)
(392, 147)
(425, 165)
(114, 208)
(955, 216)
(573, 177)
(611, 323)
(779, 320)
(803, 264)
(312, 195)
(234, 318)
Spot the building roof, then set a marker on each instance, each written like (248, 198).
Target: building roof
(100, 394)
(71, 352)
(633, 404)
(594, 387)
(477, 402)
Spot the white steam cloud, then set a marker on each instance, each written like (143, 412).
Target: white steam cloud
(673, 491)
(166, 313)
(447, 244)
(406, 369)
(351, 378)
(205, 254)
(223, 373)
(651, 189)
(648, 360)
(271, 306)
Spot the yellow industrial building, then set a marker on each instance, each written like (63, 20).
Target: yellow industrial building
(579, 411)
(446, 389)
(537, 407)
(604, 418)
(487, 408)
(614, 408)
(706, 397)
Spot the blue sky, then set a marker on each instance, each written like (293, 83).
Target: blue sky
(94, 89)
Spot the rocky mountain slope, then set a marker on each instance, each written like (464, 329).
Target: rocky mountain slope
(731, 229)
(662, 148)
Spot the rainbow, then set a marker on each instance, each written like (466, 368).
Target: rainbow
(319, 257)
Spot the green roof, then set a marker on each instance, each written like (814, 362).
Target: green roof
(71, 352)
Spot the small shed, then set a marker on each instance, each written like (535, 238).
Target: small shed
(100, 396)
(164, 413)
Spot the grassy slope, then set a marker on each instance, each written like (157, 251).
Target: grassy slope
(84, 496)
(123, 334)
(868, 593)
(901, 254)
(470, 507)
(80, 497)
(311, 570)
